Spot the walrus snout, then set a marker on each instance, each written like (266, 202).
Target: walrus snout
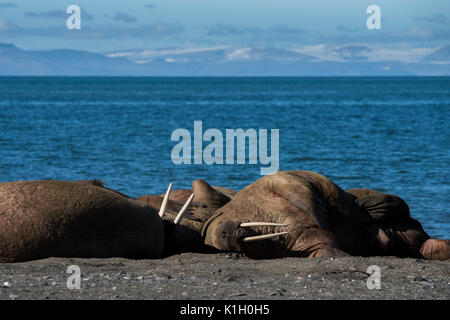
(227, 234)
(243, 233)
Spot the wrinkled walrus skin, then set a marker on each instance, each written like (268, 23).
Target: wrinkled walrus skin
(321, 219)
(41, 219)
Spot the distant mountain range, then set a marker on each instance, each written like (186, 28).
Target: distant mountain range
(320, 60)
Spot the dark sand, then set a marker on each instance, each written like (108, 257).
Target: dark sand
(226, 277)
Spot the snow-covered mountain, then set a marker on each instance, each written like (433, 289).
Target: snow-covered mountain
(317, 60)
(440, 55)
(316, 53)
(212, 54)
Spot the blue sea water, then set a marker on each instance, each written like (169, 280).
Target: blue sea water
(388, 134)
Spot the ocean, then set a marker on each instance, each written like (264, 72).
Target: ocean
(387, 134)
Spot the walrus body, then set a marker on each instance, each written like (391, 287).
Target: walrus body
(316, 218)
(41, 219)
(304, 214)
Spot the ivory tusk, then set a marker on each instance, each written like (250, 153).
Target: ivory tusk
(262, 224)
(264, 236)
(181, 213)
(162, 210)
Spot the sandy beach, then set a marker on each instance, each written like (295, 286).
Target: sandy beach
(226, 277)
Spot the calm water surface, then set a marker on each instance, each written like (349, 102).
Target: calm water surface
(388, 134)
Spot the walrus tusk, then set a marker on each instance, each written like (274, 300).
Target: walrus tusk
(162, 210)
(262, 224)
(264, 236)
(181, 213)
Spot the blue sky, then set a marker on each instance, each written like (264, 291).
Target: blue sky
(142, 24)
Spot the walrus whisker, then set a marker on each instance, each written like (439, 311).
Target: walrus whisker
(262, 224)
(182, 211)
(162, 210)
(264, 236)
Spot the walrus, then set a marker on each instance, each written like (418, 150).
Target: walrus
(296, 213)
(304, 214)
(395, 231)
(42, 219)
(185, 235)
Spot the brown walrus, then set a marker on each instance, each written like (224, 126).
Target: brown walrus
(41, 219)
(395, 231)
(301, 213)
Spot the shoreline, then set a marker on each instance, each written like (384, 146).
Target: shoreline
(192, 276)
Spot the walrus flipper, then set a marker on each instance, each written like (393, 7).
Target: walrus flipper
(382, 207)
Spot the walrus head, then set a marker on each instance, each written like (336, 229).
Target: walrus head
(183, 230)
